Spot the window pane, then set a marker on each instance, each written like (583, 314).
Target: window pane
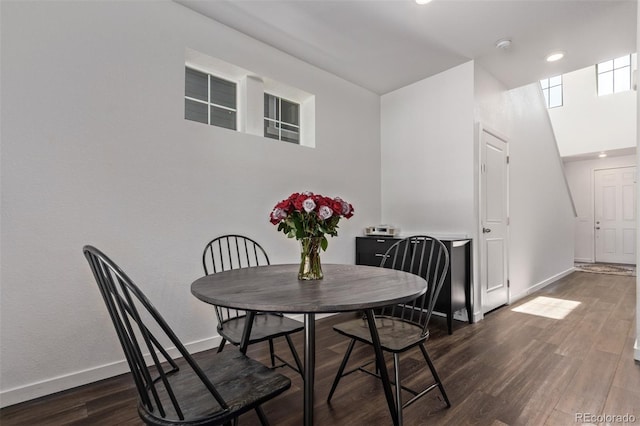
(223, 92)
(622, 79)
(270, 106)
(544, 83)
(195, 84)
(195, 111)
(271, 129)
(605, 66)
(555, 81)
(290, 134)
(223, 118)
(605, 83)
(545, 92)
(281, 119)
(622, 61)
(555, 96)
(290, 112)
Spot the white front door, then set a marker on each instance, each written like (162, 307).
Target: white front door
(615, 215)
(493, 221)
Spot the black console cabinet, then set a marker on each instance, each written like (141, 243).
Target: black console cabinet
(457, 291)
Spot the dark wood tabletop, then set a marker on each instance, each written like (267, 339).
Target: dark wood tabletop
(277, 288)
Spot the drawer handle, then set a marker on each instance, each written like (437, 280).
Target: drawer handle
(381, 241)
(382, 255)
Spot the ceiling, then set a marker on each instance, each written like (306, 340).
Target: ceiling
(383, 45)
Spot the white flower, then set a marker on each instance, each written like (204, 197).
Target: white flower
(325, 212)
(308, 205)
(345, 207)
(278, 214)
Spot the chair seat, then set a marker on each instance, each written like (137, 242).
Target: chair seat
(242, 382)
(396, 335)
(265, 326)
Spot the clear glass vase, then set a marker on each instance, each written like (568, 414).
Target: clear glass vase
(310, 267)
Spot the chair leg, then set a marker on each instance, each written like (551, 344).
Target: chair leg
(341, 369)
(221, 347)
(272, 354)
(262, 417)
(295, 354)
(435, 375)
(396, 371)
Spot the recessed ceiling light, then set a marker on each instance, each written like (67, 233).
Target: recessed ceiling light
(555, 56)
(602, 154)
(423, 1)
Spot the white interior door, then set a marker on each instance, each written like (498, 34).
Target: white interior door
(615, 215)
(493, 221)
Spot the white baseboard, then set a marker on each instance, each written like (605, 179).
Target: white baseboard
(541, 285)
(56, 384)
(79, 378)
(583, 260)
(636, 350)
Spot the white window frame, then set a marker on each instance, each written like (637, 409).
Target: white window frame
(279, 121)
(208, 101)
(612, 71)
(547, 90)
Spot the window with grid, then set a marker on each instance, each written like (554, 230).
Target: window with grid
(281, 119)
(552, 90)
(209, 99)
(614, 76)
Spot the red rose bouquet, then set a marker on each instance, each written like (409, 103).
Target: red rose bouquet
(306, 214)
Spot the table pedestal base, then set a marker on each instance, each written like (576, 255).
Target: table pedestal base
(309, 365)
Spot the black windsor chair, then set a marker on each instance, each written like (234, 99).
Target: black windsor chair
(403, 326)
(183, 392)
(233, 252)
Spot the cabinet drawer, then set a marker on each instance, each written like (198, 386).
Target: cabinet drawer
(370, 251)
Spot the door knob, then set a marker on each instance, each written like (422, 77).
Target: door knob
(486, 230)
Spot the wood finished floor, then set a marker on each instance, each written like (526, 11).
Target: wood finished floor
(509, 369)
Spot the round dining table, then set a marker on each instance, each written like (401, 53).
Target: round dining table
(344, 288)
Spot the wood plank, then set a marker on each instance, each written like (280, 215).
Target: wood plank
(622, 402)
(628, 372)
(613, 335)
(588, 390)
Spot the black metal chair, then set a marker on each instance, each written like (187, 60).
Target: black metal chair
(233, 252)
(404, 326)
(178, 392)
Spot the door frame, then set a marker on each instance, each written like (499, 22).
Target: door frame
(480, 251)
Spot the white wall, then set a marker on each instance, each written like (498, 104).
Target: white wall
(580, 175)
(427, 154)
(95, 149)
(540, 209)
(590, 123)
